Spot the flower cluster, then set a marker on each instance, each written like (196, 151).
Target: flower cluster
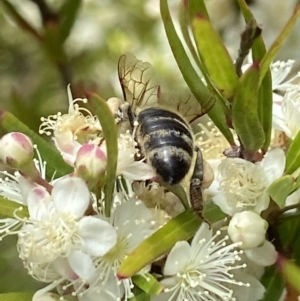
(71, 237)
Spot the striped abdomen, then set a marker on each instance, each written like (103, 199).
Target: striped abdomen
(166, 142)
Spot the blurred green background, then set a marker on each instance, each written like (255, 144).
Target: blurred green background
(45, 45)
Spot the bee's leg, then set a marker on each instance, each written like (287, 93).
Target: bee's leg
(196, 198)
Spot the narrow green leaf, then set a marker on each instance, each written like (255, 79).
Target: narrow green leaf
(293, 156)
(179, 191)
(188, 72)
(55, 163)
(23, 23)
(196, 7)
(277, 44)
(107, 120)
(202, 94)
(7, 208)
(212, 213)
(181, 227)
(274, 284)
(280, 189)
(265, 103)
(139, 295)
(247, 14)
(148, 284)
(68, 13)
(16, 297)
(291, 273)
(215, 56)
(265, 98)
(184, 22)
(244, 111)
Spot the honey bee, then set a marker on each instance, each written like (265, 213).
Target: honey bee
(162, 126)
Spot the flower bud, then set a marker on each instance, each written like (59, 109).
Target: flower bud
(90, 162)
(249, 228)
(16, 150)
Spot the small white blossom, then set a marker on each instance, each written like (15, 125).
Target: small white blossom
(73, 129)
(280, 71)
(241, 185)
(57, 229)
(249, 228)
(203, 270)
(286, 114)
(133, 223)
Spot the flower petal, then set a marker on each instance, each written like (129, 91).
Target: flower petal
(177, 258)
(203, 233)
(99, 236)
(265, 255)
(39, 202)
(82, 264)
(138, 171)
(273, 164)
(225, 205)
(278, 120)
(71, 194)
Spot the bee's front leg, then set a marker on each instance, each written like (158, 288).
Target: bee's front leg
(196, 197)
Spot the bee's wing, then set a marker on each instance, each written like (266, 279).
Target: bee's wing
(185, 103)
(139, 85)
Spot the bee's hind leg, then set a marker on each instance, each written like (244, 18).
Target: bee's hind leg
(196, 197)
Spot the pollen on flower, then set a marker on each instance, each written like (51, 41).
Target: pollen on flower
(49, 238)
(242, 181)
(211, 141)
(79, 121)
(206, 273)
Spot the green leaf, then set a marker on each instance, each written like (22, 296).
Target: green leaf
(181, 227)
(293, 155)
(179, 191)
(244, 111)
(184, 22)
(215, 56)
(55, 163)
(7, 208)
(291, 273)
(212, 213)
(196, 7)
(265, 103)
(107, 120)
(202, 94)
(277, 44)
(148, 284)
(68, 13)
(274, 284)
(23, 23)
(280, 189)
(139, 295)
(16, 297)
(265, 97)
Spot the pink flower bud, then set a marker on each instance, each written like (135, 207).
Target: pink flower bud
(16, 150)
(90, 162)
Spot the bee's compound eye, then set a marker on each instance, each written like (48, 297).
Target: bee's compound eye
(172, 169)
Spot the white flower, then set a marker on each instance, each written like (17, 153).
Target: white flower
(133, 223)
(127, 166)
(202, 270)
(249, 228)
(287, 113)
(241, 185)
(73, 129)
(279, 71)
(57, 229)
